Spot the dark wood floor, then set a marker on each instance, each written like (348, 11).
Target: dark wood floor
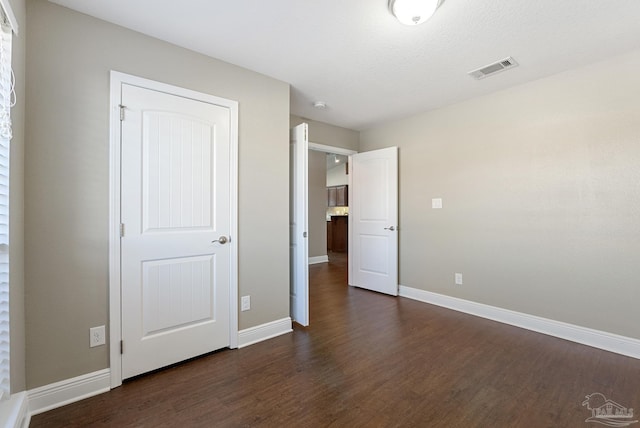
(370, 360)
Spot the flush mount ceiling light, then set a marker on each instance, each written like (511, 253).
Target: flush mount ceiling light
(320, 104)
(413, 12)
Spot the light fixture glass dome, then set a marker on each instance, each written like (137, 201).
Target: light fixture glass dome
(413, 12)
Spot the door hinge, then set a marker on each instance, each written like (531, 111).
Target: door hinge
(121, 347)
(304, 234)
(122, 230)
(121, 111)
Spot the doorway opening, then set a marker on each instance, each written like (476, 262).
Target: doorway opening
(337, 201)
(372, 223)
(328, 181)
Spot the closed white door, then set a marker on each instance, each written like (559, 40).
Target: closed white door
(299, 224)
(175, 210)
(373, 220)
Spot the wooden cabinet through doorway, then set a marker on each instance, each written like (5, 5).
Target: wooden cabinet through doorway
(338, 234)
(338, 196)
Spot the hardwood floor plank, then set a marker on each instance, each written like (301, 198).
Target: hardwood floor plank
(371, 360)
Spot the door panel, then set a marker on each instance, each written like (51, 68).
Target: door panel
(374, 255)
(177, 180)
(175, 202)
(373, 216)
(176, 293)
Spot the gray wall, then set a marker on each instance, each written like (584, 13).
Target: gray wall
(330, 135)
(69, 56)
(16, 215)
(541, 193)
(317, 204)
(337, 175)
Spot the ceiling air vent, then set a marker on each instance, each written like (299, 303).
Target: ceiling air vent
(494, 68)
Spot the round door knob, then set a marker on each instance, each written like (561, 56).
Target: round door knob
(222, 240)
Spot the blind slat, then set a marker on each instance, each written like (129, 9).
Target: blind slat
(6, 96)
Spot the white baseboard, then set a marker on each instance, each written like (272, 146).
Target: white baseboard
(68, 391)
(256, 334)
(586, 336)
(318, 259)
(14, 412)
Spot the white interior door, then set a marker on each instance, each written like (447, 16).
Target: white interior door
(299, 224)
(175, 204)
(373, 220)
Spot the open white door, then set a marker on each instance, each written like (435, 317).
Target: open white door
(373, 220)
(299, 225)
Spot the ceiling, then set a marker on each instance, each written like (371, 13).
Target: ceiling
(367, 67)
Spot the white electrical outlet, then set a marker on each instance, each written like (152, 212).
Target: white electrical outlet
(458, 278)
(96, 336)
(436, 203)
(245, 303)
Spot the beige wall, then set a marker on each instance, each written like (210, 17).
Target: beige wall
(16, 215)
(541, 193)
(67, 168)
(337, 175)
(329, 135)
(317, 204)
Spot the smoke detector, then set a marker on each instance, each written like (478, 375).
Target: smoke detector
(493, 68)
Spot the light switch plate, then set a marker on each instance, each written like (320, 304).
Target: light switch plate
(436, 203)
(458, 279)
(245, 303)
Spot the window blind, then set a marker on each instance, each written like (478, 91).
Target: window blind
(6, 101)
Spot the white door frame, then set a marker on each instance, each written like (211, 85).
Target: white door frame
(115, 332)
(330, 149)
